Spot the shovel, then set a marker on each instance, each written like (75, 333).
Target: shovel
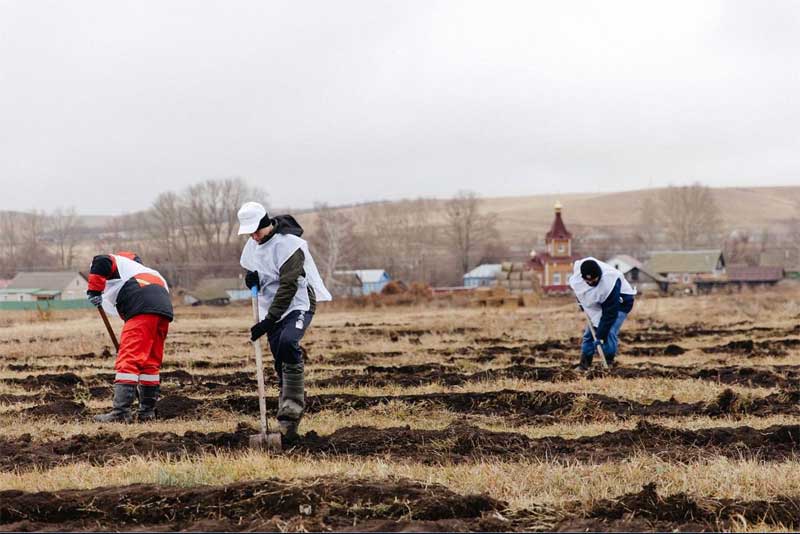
(113, 336)
(594, 337)
(108, 327)
(264, 440)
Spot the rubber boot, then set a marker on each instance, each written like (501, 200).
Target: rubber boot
(584, 365)
(148, 396)
(292, 401)
(123, 399)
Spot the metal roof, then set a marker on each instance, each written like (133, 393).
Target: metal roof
(47, 281)
(216, 288)
(487, 270)
(684, 261)
(368, 276)
(628, 260)
(755, 274)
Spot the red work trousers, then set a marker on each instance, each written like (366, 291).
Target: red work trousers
(141, 349)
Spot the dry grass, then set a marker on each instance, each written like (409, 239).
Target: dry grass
(26, 338)
(520, 484)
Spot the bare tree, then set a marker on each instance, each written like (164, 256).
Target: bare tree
(741, 249)
(466, 229)
(170, 236)
(794, 228)
(213, 206)
(9, 241)
(333, 242)
(399, 237)
(33, 253)
(648, 222)
(689, 215)
(64, 226)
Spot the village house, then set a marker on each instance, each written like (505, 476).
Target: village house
(553, 267)
(482, 275)
(637, 275)
(366, 281)
(35, 286)
(216, 292)
(687, 267)
(787, 258)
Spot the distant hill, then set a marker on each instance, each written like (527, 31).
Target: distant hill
(525, 219)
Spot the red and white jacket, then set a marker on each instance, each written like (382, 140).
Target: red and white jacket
(128, 287)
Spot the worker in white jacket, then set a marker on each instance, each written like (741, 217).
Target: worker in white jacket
(607, 298)
(279, 263)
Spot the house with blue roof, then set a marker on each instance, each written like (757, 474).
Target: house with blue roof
(482, 275)
(370, 280)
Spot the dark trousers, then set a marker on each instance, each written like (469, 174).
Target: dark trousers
(284, 340)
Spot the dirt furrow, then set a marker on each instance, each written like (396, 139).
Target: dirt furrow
(459, 442)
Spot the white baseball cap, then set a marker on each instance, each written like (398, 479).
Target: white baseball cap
(250, 214)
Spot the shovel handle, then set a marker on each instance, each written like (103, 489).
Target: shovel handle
(108, 327)
(262, 402)
(594, 337)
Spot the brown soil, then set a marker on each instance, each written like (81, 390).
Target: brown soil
(463, 442)
(670, 350)
(22, 452)
(646, 510)
(749, 347)
(535, 406)
(64, 381)
(59, 408)
(271, 505)
(457, 443)
(393, 505)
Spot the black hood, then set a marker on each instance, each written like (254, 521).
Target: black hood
(286, 224)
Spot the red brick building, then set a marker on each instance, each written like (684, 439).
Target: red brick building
(554, 266)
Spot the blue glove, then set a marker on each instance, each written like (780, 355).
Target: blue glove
(95, 298)
(598, 343)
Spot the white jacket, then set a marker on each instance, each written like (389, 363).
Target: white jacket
(267, 260)
(592, 298)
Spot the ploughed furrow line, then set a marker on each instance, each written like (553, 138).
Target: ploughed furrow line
(515, 407)
(459, 442)
(646, 510)
(270, 505)
(186, 383)
(395, 504)
(512, 405)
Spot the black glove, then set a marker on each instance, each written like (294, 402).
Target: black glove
(95, 297)
(264, 327)
(251, 280)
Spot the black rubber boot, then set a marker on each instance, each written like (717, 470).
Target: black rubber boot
(292, 402)
(584, 365)
(123, 399)
(148, 397)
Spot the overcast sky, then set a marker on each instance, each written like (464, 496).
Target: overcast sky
(104, 104)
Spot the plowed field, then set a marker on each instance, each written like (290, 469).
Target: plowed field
(418, 420)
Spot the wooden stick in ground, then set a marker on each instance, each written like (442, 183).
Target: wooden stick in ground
(262, 403)
(108, 327)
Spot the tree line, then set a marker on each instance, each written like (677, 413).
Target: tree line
(192, 233)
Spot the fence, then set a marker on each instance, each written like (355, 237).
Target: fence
(42, 305)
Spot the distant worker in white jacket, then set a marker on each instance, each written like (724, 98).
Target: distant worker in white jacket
(279, 263)
(607, 298)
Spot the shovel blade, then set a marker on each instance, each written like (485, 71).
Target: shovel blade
(266, 442)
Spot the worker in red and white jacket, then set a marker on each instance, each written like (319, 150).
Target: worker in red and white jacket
(122, 286)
